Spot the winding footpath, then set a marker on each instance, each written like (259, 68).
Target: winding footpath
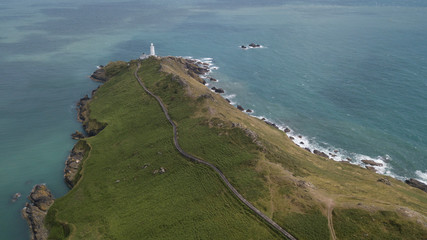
(197, 160)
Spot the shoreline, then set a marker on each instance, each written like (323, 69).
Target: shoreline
(379, 164)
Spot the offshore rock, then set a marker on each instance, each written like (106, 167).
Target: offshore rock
(35, 212)
(417, 184)
(254, 45)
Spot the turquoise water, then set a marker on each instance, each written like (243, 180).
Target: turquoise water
(345, 75)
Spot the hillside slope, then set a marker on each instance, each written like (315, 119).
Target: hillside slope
(135, 185)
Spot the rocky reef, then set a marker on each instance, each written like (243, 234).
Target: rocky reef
(35, 211)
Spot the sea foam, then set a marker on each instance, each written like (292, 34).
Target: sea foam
(422, 176)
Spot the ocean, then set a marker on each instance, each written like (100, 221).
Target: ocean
(348, 77)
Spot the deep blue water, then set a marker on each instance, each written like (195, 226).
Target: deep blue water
(345, 75)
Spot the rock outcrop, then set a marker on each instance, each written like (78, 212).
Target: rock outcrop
(82, 108)
(73, 163)
(77, 135)
(99, 75)
(371, 162)
(218, 90)
(322, 154)
(91, 126)
(417, 184)
(35, 212)
(192, 66)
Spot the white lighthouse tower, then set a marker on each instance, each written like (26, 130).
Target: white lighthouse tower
(152, 51)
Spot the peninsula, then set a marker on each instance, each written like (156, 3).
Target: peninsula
(164, 157)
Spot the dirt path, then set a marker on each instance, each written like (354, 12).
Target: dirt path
(330, 205)
(224, 179)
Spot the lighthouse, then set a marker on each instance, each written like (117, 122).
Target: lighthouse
(152, 51)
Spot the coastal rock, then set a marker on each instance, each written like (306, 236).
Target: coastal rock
(417, 184)
(82, 110)
(292, 138)
(94, 91)
(248, 110)
(99, 75)
(77, 135)
(73, 163)
(240, 108)
(228, 100)
(271, 124)
(91, 126)
(371, 162)
(213, 79)
(370, 168)
(192, 67)
(322, 154)
(307, 149)
(287, 130)
(35, 212)
(218, 90)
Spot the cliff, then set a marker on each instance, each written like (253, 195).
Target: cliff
(35, 212)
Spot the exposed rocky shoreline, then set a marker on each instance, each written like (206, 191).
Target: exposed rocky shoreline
(35, 211)
(203, 69)
(40, 197)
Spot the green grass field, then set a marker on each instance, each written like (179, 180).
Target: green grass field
(187, 202)
(120, 197)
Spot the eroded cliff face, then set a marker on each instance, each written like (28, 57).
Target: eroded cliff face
(73, 163)
(35, 211)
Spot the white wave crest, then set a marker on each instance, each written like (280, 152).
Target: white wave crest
(422, 176)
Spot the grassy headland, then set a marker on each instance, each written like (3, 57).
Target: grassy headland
(122, 193)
